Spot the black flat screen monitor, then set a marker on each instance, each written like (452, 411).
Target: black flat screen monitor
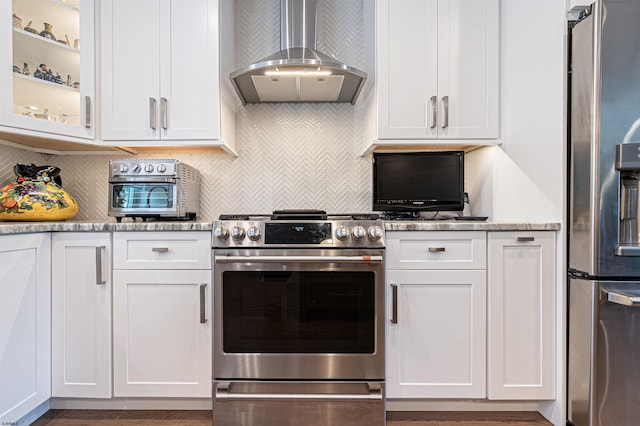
(418, 181)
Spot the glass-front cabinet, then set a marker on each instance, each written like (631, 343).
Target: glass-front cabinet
(48, 74)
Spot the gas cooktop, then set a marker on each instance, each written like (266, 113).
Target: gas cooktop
(299, 228)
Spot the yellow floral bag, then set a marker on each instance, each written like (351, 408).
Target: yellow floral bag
(35, 196)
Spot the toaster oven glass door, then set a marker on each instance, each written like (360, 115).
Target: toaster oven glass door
(140, 197)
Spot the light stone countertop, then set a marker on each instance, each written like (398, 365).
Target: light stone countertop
(421, 225)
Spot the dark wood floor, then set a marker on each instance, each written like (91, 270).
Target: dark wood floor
(203, 418)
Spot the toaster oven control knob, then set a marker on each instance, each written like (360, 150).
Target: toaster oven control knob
(358, 232)
(221, 233)
(124, 168)
(237, 232)
(136, 168)
(342, 233)
(161, 168)
(148, 168)
(375, 232)
(254, 233)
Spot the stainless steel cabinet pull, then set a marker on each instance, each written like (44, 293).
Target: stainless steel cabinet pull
(445, 102)
(434, 111)
(526, 239)
(203, 309)
(394, 303)
(87, 112)
(436, 249)
(160, 249)
(164, 121)
(99, 267)
(153, 123)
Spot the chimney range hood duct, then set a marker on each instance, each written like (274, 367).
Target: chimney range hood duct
(298, 72)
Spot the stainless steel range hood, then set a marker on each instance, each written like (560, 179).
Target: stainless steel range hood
(298, 72)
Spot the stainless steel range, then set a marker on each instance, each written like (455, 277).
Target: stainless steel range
(298, 319)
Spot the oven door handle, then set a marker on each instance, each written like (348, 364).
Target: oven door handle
(298, 259)
(224, 392)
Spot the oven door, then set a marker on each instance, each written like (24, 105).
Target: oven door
(298, 314)
(144, 198)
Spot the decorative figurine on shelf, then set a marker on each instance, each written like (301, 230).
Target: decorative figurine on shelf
(69, 83)
(36, 194)
(17, 22)
(29, 29)
(43, 72)
(57, 78)
(46, 33)
(25, 69)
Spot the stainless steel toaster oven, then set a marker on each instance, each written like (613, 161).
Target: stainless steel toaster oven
(153, 189)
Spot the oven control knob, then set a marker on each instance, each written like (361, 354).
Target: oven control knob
(254, 233)
(135, 168)
(342, 233)
(375, 232)
(358, 232)
(161, 168)
(124, 168)
(237, 232)
(148, 168)
(221, 233)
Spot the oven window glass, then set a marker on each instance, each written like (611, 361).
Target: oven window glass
(143, 196)
(298, 312)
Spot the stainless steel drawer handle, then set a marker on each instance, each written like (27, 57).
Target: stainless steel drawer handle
(203, 310)
(394, 303)
(436, 249)
(99, 265)
(224, 392)
(526, 239)
(621, 298)
(160, 249)
(164, 121)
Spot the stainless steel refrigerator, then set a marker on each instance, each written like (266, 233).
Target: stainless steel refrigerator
(603, 239)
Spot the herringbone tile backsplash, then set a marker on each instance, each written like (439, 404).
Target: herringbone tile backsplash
(290, 155)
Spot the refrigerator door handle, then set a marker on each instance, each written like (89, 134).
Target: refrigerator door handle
(622, 298)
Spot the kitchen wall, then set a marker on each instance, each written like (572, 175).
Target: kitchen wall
(306, 155)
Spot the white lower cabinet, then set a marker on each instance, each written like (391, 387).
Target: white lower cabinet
(162, 317)
(25, 324)
(81, 315)
(436, 286)
(436, 349)
(521, 321)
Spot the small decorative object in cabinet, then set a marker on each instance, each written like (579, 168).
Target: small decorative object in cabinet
(35, 196)
(46, 33)
(29, 29)
(17, 21)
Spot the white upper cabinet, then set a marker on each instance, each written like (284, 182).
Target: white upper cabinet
(58, 103)
(437, 71)
(161, 72)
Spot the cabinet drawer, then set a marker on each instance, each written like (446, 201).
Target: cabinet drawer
(436, 250)
(162, 250)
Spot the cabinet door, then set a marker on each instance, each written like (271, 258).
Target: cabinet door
(42, 102)
(436, 349)
(438, 69)
(407, 69)
(25, 324)
(189, 70)
(161, 347)
(130, 65)
(468, 69)
(521, 325)
(81, 315)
